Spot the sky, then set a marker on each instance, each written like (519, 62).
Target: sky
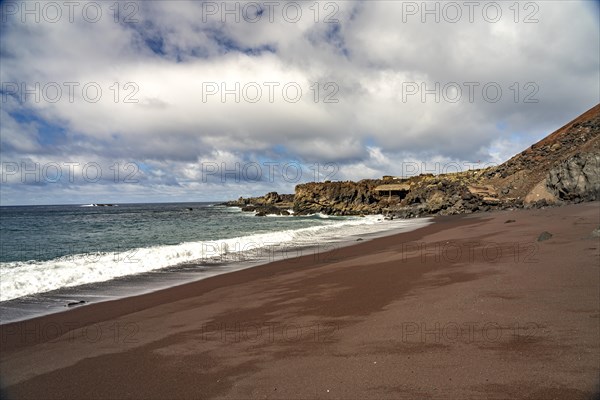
(167, 101)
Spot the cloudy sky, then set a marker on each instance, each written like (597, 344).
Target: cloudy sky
(199, 101)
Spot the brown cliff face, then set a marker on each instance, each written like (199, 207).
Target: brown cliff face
(563, 167)
(448, 194)
(341, 198)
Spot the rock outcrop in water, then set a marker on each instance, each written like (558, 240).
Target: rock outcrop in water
(271, 203)
(563, 167)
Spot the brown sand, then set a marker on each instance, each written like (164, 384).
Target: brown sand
(469, 307)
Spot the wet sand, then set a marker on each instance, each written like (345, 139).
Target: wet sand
(468, 307)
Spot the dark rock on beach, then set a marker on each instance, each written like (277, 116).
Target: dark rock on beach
(544, 236)
(75, 303)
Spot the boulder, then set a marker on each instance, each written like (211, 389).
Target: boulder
(576, 178)
(544, 236)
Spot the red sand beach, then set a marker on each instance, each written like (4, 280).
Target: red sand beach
(468, 307)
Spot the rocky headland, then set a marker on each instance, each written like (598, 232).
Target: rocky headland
(562, 168)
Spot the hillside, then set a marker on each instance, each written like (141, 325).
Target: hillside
(564, 167)
(527, 173)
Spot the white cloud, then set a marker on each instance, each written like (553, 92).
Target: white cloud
(368, 63)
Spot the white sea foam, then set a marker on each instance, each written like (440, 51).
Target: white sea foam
(19, 279)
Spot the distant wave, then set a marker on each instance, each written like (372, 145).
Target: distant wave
(321, 216)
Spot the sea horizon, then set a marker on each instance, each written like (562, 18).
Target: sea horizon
(115, 203)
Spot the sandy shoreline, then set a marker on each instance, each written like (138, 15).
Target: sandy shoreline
(468, 307)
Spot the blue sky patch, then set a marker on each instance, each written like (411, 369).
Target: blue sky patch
(48, 134)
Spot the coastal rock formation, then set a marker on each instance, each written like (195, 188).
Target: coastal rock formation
(337, 198)
(561, 168)
(459, 193)
(271, 203)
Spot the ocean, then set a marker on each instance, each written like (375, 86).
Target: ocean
(53, 255)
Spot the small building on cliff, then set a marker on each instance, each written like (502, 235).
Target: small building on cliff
(399, 190)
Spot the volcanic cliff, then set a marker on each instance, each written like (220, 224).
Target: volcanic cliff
(563, 167)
